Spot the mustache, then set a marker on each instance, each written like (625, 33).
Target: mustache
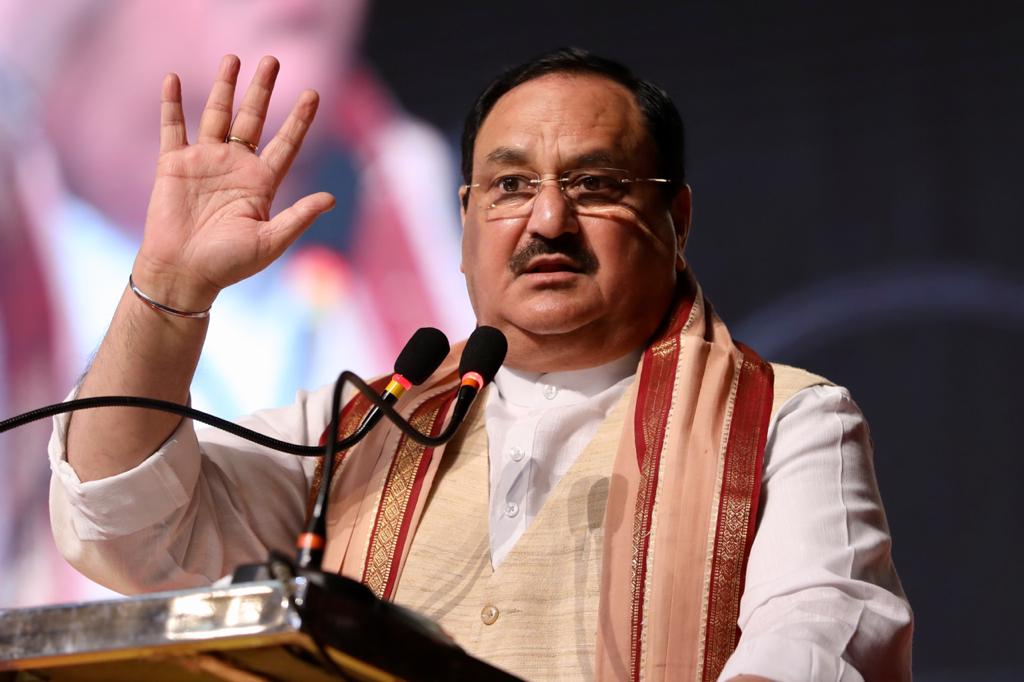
(569, 245)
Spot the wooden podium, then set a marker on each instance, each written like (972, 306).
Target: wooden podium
(305, 627)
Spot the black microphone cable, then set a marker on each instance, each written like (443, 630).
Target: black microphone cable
(223, 424)
(482, 356)
(490, 353)
(213, 420)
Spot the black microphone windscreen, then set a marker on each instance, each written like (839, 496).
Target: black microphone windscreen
(484, 352)
(423, 354)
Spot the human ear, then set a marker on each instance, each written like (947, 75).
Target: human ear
(463, 202)
(682, 212)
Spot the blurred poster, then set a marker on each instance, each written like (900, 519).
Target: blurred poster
(79, 112)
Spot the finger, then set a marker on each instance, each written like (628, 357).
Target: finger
(172, 118)
(286, 226)
(216, 120)
(282, 149)
(252, 112)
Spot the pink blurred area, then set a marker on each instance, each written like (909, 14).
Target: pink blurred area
(79, 106)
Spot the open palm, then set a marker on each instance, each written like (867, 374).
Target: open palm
(209, 224)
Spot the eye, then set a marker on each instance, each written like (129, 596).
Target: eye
(511, 184)
(594, 185)
(593, 182)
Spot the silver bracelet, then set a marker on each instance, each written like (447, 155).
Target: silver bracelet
(166, 308)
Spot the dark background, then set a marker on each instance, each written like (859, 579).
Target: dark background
(858, 194)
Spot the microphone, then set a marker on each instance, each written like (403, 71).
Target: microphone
(422, 354)
(484, 352)
(481, 357)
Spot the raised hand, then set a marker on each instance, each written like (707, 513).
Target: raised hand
(208, 224)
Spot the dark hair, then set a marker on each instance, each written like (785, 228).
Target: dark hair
(661, 117)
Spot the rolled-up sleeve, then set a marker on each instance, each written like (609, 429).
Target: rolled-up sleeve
(128, 502)
(822, 599)
(200, 505)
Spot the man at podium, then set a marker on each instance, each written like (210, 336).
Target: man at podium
(638, 496)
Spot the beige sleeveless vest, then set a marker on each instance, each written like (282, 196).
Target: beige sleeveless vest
(536, 615)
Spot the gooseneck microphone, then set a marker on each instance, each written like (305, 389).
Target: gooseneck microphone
(485, 351)
(482, 356)
(420, 357)
(422, 354)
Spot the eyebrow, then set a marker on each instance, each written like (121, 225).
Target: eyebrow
(597, 158)
(514, 156)
(507, 156)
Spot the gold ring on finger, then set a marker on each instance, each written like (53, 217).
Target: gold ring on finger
(239, 140)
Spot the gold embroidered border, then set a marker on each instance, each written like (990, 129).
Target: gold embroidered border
(657, 379)
(709, 550)
(395, 498)
(740, 490)
(641, 530)
(656, 384)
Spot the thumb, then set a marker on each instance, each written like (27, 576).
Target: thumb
(289, 224)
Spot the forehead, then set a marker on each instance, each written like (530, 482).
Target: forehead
(560, 120)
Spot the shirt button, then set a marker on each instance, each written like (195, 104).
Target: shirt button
(511, 509)
(517, 454)
(489, 614)
(550, 391)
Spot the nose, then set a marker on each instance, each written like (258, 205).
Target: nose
(551, 214)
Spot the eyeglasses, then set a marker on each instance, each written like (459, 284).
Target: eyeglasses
(511, 194)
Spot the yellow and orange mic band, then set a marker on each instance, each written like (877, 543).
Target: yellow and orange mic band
(398, 385)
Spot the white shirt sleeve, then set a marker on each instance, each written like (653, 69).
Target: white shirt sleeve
(202, 504)
(822, 600)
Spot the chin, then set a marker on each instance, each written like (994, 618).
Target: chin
(555, 311)
(555, 321)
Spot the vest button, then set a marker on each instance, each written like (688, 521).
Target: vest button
(489, 614)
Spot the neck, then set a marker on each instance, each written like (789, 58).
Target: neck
(542, 353)
(586, 381)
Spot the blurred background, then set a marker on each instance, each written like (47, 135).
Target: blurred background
(858, 202)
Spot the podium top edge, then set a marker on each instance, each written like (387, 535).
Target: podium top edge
(150, 620)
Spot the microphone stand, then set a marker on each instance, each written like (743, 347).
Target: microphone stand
(334, 587)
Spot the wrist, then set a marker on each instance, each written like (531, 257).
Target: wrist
(160, 307)
(172, 292)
